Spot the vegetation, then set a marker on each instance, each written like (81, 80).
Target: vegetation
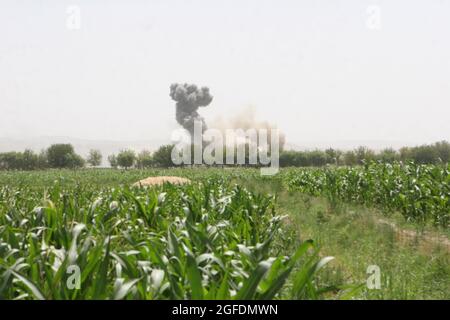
(94, 158)
(63, 156)
(420, 192)
(436, 153)
(144, 160)
(206, 240)
(112, 159)
(414, 262)
(56, 156)
(230, 234)
(163, 156)
(26, 160)
(138, 243)
(126, 159)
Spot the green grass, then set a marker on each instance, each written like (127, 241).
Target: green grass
(354, 236)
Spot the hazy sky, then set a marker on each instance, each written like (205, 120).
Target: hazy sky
(322, 70)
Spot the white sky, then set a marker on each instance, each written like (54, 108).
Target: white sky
(313, 67)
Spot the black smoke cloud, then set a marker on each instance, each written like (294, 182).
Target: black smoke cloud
(188, 99)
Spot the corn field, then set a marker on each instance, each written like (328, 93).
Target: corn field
(420, 192)
(88, 234)
(207, 240)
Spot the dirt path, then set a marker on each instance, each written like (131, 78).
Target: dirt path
(425, 241)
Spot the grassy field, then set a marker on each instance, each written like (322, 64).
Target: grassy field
(358, 236)
(231, 234)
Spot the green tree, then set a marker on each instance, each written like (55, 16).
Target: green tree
(112, 159)
(42, 160)
(287, 158)
(388, 155)
(11, 161)
(317, 158)
(29, 160)
(425, 154)
(63, 156)
(302, 159)
(405, 153)
(126, 158)
(144, 159)
(350, 158)
(364, 154)
(163, 156)
(443, 150)
(94, 158)
(26, 160)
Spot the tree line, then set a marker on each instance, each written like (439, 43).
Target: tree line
(435, 153)
(64, 156)
(56, 156)
(59, 156)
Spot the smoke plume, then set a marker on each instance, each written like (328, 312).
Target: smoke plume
(246, 119)
(188, 99)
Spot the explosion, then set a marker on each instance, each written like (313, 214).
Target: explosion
(188, 99)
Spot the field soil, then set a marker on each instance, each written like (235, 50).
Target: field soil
(152, 181)
(425, 241)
